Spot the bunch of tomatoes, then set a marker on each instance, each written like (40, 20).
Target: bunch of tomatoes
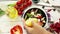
(56, 27)
(21, 5)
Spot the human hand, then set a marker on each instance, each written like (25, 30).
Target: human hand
(36, 29)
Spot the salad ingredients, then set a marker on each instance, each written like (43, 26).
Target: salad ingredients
(12, 12)
(1, 12)
(32, 13)
(21, 5)
(29, 21)
(35, 13)
(38, 16)
(16, 30)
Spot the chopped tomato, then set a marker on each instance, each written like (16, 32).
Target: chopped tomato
(16, 30)
(39, 17)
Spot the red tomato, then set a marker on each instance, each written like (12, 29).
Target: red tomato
(20, 12)
(20, 2)
(29, 3)
(16, 7)
(39, 17)
(15, 29)
(26, 0)
(25, 5)
(21, 8)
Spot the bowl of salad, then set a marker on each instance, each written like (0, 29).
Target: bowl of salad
(36, 13)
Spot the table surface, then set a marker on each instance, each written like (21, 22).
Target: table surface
(8, 0)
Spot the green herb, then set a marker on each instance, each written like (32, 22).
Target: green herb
(29, 15)
(1, 12)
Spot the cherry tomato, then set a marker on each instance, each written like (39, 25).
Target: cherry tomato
(25, 6)
(15, 29)
(20, 12)
(21, 8)
(29, 3)
(20, 2)
(16, 7)
(26, 0)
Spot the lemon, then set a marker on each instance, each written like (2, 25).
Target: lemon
(29, 21)
(12, 12)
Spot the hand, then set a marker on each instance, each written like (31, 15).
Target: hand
(36, 29)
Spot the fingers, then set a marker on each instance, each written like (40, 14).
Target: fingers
(29, 29)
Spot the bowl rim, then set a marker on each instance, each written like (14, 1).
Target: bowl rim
(46, 25)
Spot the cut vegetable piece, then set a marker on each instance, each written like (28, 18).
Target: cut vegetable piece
(43, 21)
(32, 13)
(16, 30)
(29, 15)
(29, 21)
(12, 12)
(42, 18)
(38, 16)
(1, 12)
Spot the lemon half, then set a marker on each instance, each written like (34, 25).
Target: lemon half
(29, 21)
(12, 12)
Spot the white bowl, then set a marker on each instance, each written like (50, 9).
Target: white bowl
(33, 6)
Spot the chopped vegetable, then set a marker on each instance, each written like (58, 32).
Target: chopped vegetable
(16, 30)
(29, 15)
(32, 13)
(12, 12)
(38, 16)
(44, 21)
(1, 12)
(29, 21)
(42, 18)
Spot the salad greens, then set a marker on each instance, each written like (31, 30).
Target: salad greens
(1, 12)
(28, 16)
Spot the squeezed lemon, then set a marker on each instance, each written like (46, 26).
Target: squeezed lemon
(29, 21)
(12, 12)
